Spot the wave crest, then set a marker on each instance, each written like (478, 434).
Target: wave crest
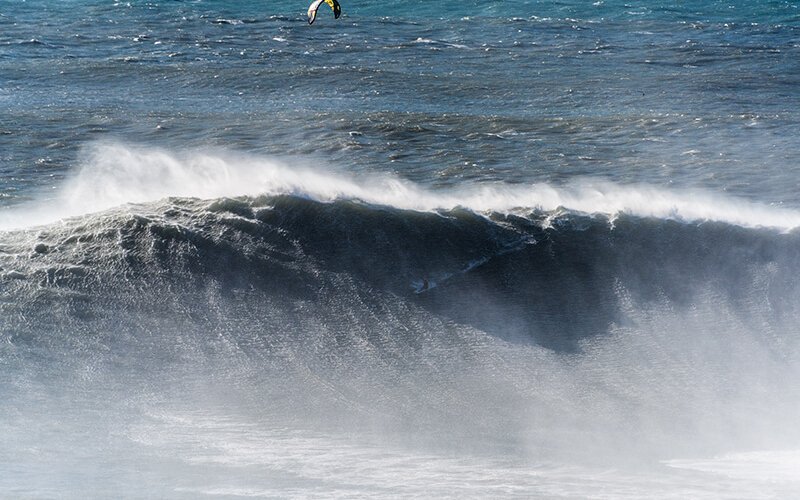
(114, 174)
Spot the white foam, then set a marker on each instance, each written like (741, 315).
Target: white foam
(114, 174)
(764, 466)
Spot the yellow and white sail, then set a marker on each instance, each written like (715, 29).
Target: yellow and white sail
(315, 5)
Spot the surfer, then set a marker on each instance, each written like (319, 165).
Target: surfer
(314, 7)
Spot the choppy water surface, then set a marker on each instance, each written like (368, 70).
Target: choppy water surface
(459, 249)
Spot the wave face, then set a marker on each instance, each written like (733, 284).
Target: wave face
(289, 341)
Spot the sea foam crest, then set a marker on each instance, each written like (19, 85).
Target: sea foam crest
(114, 174)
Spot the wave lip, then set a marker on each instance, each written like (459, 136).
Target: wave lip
(113, 174)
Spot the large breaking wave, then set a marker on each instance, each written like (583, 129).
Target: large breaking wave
(113, 174)
(584, 326)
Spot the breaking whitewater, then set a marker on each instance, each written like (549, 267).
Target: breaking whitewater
(234, 326)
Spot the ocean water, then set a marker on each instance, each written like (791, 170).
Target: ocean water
(430, 249)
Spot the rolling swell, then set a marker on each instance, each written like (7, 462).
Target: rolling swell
(555, 278)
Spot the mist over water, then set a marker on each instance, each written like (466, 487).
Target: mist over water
(114, 174)
(283, 343)
(463, 250)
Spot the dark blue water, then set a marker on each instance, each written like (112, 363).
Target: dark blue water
(462, 249)
(703, 95)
